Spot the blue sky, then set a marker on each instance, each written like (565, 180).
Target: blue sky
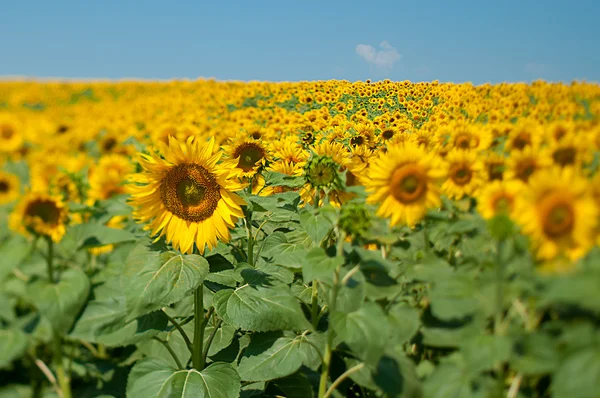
(478, 41)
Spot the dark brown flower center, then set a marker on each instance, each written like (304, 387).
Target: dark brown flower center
(558, 217)
(7, 131)
(190, 192)
(461, 174)
(45, 209)
(565, 156)
(249, 153)
(4, 186)
(408, 183)
(525, 169)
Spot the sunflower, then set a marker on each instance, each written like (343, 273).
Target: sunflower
(559, 214)
(495, 165)
(521, 165)
(467, 137)
(249, 153)
(11, 133)
(9, 187)
(186, 195)
(526, 134)
(107, 177)
(465, 174)
(39, 213)
(498, 197)
(283, 167)
(405, 181)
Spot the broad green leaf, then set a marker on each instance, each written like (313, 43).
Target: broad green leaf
(448, 381)
(88, 235)
(318, 265)
(365, 331)
(61, 302)
(318, 223)
(283, 358)
(7, 312)
(579, 289)
(13, 343)
(535, 355)
(152, 377)
(12, 252)
(454, 297)
(404, 323)
(104, 320)
(290, 255)
(483, 352)
(223, 338)
(260, 309)
(155, 280)
(578, 375)
(295, 386)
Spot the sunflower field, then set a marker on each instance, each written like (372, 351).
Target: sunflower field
(311, 239)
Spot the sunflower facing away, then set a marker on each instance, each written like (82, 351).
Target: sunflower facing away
(405, 181)
(41, 214)
(185, 195)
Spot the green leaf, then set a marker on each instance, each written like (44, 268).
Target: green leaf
(223, 338)
(12, 252)
(60, 302)
(404, 323)
(259, 309)
(283, 358)
(454, 297)
(448, 381)
(579, 289)
(578, 375)
(155, 280)
(318, 223)
(88, 235)
(318, 265)
(152, 377)
(536, 355)
(104, 320)
(290, 255)
(483, 352)
(13, 343)
(365, 331)
(295, 386)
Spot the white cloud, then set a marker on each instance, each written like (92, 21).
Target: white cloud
(385, 57)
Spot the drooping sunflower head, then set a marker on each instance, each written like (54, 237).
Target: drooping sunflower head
(405, 180)
(559, 214)
(186, 196)
(322, 172)
(41, 214)
(9, 187)
(465, 174)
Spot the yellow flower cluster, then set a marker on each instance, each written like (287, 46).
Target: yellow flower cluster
(530, 151)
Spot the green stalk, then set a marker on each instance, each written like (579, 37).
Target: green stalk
(425, 238)
(315, 305)
(197, 358)
(329, 345)
(499, 289)
(63, 379)
(250, 250)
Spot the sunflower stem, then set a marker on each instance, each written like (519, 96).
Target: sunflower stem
(499, 289)
(315, 305)
(334, 293)
(63, 378)
(425, 238)
(50, 260)
(199, 324)
(250, 253)
(317, 198)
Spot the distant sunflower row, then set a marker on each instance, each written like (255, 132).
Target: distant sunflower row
(530, 152)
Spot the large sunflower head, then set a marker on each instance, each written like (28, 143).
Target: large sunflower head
(41, 214)
(9, 187)
(498, 198)
(405, 180)
(521, 165)
(559, 214)
(186, 196)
